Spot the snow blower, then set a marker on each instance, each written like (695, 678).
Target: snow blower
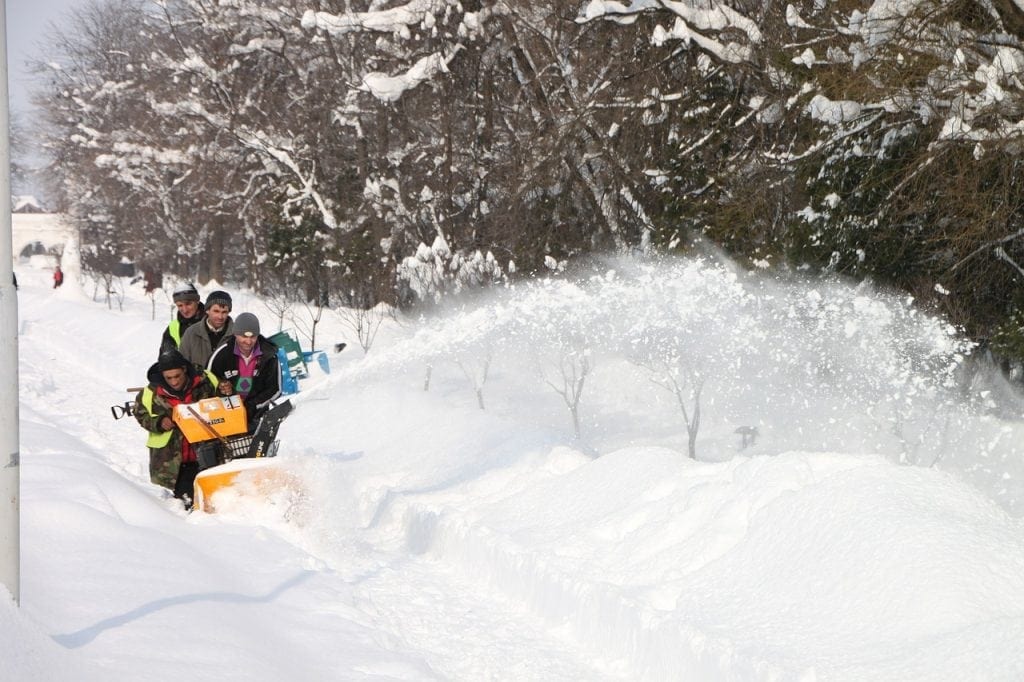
(247, 468)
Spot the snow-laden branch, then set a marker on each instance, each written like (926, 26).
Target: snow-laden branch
(257, 45)
(692, 24)
(191, 108)
(394, 20)
(1002, 255)
(999, 251)
(681, 31)
(145, 154)
(258, 141)
(390, 88)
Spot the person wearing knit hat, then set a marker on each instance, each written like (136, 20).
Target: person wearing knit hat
(246, 365)
(218, 297)
(200, 340)
(172, 359)
(190, 310)
(185, 292)
(173, 460)
(248, 325)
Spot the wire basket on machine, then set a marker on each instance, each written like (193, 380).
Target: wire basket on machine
(237, 447)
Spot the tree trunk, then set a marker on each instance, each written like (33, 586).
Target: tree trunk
(216, 252)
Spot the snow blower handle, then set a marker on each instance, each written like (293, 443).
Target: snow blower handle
(126, 410)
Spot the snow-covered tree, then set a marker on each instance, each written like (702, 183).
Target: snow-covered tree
(395, 151)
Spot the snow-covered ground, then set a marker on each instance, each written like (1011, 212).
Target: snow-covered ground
(870, 532)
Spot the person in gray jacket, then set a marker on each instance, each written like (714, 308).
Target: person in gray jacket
(200, 340)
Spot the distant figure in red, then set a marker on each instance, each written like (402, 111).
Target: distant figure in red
(58, 277)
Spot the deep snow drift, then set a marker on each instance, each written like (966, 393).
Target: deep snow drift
(869, 531)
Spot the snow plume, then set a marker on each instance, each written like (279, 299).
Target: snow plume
(809, 364)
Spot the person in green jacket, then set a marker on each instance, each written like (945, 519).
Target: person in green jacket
(173, 461)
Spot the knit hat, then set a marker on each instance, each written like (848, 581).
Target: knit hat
(171, 359)
(218, 298)
(246, 324)
(186, 292)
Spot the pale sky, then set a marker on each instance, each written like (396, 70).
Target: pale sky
(27, 22)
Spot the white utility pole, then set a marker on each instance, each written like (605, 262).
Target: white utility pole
(10, 468)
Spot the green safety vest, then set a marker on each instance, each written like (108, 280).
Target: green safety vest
(174, 328)
(155, 440)
(159, 440)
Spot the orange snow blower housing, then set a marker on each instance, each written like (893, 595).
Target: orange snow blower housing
(218, 417)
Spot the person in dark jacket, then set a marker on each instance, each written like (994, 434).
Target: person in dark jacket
(200, 340)
(172, 458)
(247, 365)
(190, 311)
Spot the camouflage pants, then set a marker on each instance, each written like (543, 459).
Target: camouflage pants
(164, 464)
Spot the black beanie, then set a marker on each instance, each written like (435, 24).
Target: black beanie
(171, 359)
(219, 298)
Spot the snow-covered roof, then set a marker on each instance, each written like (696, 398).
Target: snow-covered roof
(27, 204)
